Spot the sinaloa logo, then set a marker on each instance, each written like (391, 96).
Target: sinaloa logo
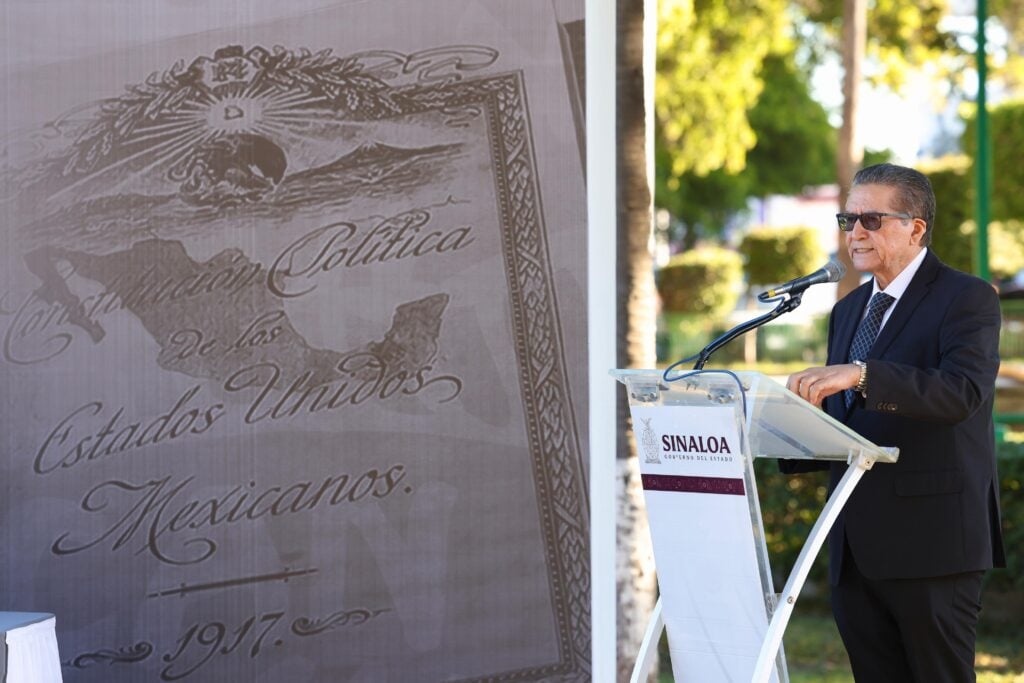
(649, 441)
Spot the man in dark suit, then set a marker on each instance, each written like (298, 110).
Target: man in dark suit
(912, 362)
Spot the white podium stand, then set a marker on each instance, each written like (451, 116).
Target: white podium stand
(28, 648)
(696, 440)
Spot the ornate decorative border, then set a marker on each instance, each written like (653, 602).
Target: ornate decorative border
(550, 421)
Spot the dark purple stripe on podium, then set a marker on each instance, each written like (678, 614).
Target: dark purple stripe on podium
(676, 483)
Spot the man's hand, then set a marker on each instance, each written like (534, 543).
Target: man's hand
(814, 384)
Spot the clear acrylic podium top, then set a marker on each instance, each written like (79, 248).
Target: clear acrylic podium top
(779, 424)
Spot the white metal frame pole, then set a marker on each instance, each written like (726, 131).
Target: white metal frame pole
(649, 646)
(787, 600)
(601, 292)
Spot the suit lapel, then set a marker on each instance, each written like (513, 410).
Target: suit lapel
(916, 292)
(847, 325)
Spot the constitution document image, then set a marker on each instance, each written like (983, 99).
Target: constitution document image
(292, 308)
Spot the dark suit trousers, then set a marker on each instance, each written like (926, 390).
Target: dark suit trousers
(908, 630)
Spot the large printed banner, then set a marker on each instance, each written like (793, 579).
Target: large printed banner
(291, 313)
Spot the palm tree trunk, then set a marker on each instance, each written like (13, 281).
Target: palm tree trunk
(851, 149)
(635, 309)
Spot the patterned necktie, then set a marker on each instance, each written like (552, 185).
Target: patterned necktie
(864, 338)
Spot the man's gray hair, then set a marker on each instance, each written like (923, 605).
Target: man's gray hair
(914, 194)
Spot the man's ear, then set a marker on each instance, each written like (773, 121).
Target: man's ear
(917, 234)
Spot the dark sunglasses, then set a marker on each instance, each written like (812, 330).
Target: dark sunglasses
(872, 220)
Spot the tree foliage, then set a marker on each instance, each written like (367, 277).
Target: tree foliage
(733, 112)
(700, 204)
(735, 119)
(709, 55)
(1010, 14)
(795, 141)
(900, 34)
(794, 148)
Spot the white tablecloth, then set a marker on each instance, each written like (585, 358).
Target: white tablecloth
(32, 655)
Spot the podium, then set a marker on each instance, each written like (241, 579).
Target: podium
(697, 434)
(28, 648)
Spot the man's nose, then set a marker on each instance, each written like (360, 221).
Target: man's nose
(859, 231)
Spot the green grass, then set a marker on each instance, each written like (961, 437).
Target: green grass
(814, 651)
(815, 654)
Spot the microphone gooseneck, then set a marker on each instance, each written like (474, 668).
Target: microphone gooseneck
(832, 271)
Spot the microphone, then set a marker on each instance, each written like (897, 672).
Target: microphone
(832, 271)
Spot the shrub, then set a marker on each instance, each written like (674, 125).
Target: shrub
(704, 281)
(953, 239)
(775, 255)
(1010, 459)
(954, 199)
(786, 343)
(1005, 246)
(790, 505)
(1006, 126)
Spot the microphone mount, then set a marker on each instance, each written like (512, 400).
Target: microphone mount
(787, 304)
(832, 271)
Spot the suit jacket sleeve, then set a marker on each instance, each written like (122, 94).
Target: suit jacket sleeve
(968, 351)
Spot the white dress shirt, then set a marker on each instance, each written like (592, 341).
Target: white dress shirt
(897, 287)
